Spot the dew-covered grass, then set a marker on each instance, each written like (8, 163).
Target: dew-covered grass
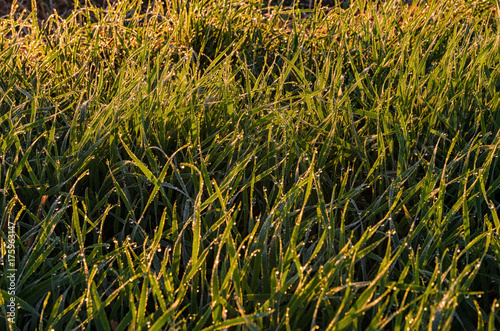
(225, 165)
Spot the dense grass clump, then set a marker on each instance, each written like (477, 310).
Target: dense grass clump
(224, 164)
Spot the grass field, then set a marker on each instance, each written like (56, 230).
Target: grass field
(225, 165)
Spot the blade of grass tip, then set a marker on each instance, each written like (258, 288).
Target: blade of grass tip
(75, 221)
(196, 244)
(321, 297)
(99, 314)
(141, 309)
(491, 318)
(342, 240)
(156, 238)
(176, 258)
(89, 279)
(28, 243)
(149, 175)
(44, 305)
(216, 287)
(310, 174)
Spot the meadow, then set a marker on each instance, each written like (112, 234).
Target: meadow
(245, 165)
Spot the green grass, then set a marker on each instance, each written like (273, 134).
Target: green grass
(220, 165)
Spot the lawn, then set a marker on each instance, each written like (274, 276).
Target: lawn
(234, 165)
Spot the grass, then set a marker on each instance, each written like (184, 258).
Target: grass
(216, 165)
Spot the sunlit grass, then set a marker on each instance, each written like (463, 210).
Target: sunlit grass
(223, 164)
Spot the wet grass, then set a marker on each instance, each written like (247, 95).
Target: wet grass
(220, 164)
